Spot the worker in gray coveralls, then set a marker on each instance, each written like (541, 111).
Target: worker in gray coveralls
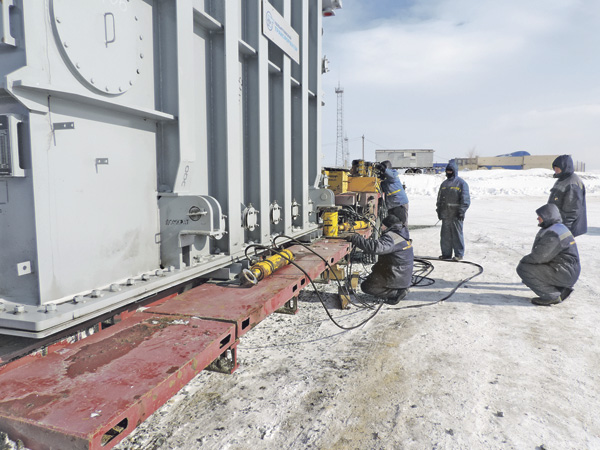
(552, 268)
(395, 195)
(568, 194)
(391, 276)
(452, 204)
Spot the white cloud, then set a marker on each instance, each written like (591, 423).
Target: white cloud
(570, 118)
(458, 74)
(395, 57)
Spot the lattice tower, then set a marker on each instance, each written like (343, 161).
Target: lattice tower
(339, 143)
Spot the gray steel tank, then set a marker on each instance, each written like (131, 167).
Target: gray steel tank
(144, 143)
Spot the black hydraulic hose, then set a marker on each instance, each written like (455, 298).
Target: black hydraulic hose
(283, 255)
(343, 288)
(296, 241)
(421, 270)
(429, 258)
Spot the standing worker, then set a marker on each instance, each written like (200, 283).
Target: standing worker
(391, 275)
(568, 194)
(452, 204)
(395, 195)
(552, 268)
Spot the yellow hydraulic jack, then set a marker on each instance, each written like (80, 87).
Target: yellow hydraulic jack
(357, 225)
(330, 222)
(264, 268)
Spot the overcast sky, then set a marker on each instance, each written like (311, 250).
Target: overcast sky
(461, 76)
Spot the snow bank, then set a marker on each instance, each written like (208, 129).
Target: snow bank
(485, 183)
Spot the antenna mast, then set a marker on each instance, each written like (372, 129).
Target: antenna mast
(340, 160)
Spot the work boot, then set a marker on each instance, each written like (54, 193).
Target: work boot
(395, 300)
(548, 302)
(457, 258)
(444, 257)
(565, 292)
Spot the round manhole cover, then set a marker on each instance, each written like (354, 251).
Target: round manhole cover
(103, 41)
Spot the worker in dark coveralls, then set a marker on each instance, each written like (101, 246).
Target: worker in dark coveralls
(552, 268)
(391, 275)
(452, 203)
(395, 196)
(568, 194)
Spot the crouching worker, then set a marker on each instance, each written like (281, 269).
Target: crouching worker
(391, 275)
(552, 267)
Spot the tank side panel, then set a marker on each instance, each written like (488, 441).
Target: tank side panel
(256, 122)
(89, 194)
(300, 115)
(313, 41)
(96, 200)
(18, 264)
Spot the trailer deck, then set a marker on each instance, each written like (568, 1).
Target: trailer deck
(92, 393)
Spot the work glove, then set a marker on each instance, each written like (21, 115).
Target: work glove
(439, 215)
(461, 216)
(353, 238)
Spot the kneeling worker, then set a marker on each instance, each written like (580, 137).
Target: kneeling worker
(552, 267)
(391, 275)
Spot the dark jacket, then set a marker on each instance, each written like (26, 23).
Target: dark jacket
(394, 266)
(554, 245)
(453, 197)
(568, 194)
(393, 189)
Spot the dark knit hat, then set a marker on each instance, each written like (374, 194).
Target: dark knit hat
(390, 221)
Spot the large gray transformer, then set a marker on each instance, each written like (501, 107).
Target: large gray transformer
(144, 143)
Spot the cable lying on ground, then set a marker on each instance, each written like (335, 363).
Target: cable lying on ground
(419, 279)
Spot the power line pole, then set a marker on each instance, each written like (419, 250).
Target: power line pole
(339, 143)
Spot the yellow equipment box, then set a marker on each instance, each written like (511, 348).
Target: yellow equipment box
(338, 181)
(363, 184)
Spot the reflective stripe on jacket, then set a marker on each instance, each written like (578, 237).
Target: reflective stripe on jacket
(393, 190)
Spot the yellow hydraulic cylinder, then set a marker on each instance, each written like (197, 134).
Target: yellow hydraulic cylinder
(264, 268)
(358, 225)
(330, 223)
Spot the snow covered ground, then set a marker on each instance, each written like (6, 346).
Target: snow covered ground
(485, 369)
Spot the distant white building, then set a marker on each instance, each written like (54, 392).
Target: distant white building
(413, 160)
(517, 160)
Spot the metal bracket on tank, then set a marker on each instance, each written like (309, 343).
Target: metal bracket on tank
(321, 197)
(63, 126)
(186, 222)
(5, 36)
